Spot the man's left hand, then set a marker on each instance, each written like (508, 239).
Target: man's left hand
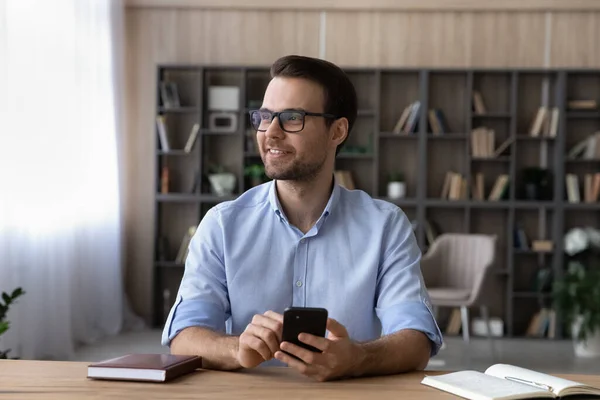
(339, 358)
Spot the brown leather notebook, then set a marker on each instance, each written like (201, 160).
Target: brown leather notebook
(144, 367)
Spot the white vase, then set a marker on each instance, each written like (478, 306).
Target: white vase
(588, 348)
(222, 184)
(396, 190)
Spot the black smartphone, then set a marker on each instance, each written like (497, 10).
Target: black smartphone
(297, 320)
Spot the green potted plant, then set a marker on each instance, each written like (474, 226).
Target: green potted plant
(255, 173)
(396, 187)
(5, 302)
(577, 295)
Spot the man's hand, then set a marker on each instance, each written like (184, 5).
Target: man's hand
(260, 340)
(338, 359)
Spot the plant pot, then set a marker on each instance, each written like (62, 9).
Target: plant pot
(396, 190)
(588, 348)
(222, 184)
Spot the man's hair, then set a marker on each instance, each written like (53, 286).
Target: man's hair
(338, 91)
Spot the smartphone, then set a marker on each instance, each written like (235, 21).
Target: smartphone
(297, 320)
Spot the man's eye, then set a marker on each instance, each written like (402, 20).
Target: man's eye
(265, 116)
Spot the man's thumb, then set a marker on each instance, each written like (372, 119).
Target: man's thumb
(335, 328)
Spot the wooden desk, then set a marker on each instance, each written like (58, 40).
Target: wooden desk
(68, 380)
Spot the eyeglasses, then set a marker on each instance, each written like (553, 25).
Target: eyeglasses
(291, 121)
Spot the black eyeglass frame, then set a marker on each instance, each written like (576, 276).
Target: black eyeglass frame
(277, 113)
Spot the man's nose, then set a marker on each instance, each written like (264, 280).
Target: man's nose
(274, 130)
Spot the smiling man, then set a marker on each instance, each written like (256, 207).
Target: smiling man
(302, 240)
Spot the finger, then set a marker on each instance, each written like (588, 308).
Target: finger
(259, 346)
(298, 365)
(335, 328)
(274, 315)
(271, 323)
(315, 341)
(309, 357)
(266, 335)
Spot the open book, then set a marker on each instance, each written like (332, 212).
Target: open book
(507, 382)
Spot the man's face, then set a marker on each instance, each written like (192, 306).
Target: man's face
(294, 156)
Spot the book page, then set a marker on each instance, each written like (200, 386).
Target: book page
(475, 385)
(557, 384)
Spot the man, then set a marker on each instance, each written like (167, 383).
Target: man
(302, 240)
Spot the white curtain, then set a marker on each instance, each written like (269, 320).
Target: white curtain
(60, 214)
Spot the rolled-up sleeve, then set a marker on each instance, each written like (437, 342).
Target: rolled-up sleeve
(202, 298)
(402, 301)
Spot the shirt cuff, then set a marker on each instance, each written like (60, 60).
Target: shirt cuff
(411, 315)
(190, 312)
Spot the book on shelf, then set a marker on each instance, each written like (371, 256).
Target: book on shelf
(455, 186)
(586, 149)
(483, 141)
(507, 382)
(573, 192)
(542, 324)
(437, 122)
(500, 188)
(545, 122)
(478, 104)
(189, 145)
(520, 239)
(169, 94)
(591, 188)
(408, 121)
(185, 245)
(582, 104)
(164, 180)
(477, 187)
(162, 133)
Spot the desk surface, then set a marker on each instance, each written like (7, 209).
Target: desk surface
(68, 380)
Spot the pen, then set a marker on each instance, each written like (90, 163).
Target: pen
(536, 384)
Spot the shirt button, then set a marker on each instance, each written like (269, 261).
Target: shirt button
(302, 240)
(298, 283)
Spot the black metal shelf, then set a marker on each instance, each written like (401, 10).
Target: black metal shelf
(176, 152)
(583, 115)
(178, 110)
(492, 115)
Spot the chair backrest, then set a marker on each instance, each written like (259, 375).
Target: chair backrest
(464, 259)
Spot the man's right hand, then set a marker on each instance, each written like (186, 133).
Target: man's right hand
(260, 340)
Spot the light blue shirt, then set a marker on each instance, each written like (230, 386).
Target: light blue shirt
(360, 261)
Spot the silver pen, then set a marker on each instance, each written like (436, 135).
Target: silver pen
(531, 383)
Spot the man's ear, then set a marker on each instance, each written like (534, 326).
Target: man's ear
(339, 131)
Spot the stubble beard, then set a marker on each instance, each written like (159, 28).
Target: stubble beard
(295, 171)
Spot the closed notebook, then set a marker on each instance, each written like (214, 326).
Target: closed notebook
(145, 367)
(508, 382)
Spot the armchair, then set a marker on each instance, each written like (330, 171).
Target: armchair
(454, 270)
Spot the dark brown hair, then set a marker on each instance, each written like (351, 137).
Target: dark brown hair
(338, 91)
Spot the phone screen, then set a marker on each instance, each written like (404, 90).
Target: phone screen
(297, 320)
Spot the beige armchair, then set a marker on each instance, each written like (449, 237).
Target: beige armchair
(455, 269)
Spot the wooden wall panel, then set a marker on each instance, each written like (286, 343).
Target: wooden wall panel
(504, 39)
(437, 39)
(575, 38)
(197, 37)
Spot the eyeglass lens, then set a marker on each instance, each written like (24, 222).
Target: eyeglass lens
(290, 121)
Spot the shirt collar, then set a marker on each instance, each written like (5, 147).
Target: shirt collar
(333, 199)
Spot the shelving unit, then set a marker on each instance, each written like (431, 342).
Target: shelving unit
(512, 99)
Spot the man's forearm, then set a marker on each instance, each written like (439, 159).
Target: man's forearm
(403, 351)
(218, 351)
